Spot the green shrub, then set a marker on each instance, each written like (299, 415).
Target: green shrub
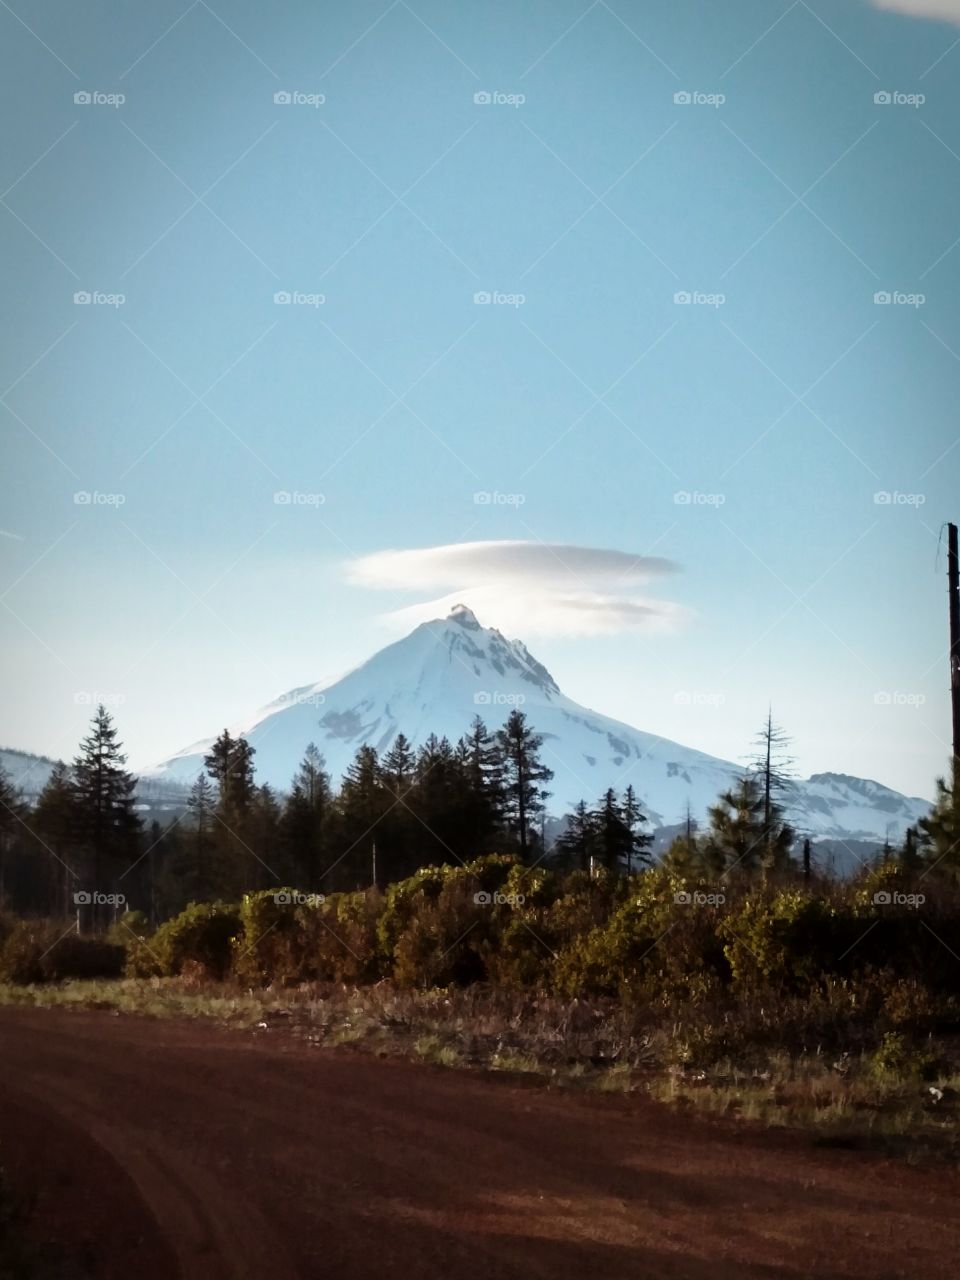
(49, 951)
(787, 939)
(288, 937)
(201, 935)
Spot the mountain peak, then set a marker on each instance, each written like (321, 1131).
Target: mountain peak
(465, 616)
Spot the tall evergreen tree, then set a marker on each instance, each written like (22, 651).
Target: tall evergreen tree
(230, 764)
(639, 841)
(360, 806)
(523, 775)
(305, 823)
(108, 827)
(576, 844)
(773, 770)
(55, 822)
(745, 834)
(201, 807)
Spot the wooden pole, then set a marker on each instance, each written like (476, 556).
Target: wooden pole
(953, 578)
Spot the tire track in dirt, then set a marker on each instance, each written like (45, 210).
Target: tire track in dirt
(185, 1150)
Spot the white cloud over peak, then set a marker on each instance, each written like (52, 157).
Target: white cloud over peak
(530, 588)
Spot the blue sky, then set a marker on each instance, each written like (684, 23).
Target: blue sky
(782, 399)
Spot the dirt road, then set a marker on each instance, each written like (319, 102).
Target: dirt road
(162, 1149)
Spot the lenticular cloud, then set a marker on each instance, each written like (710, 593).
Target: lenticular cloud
(534, 587)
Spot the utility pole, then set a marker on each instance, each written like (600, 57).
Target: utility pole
(953, 579)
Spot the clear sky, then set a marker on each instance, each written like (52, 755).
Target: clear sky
(583, 399)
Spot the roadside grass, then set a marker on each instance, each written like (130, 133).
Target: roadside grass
(898, 1098)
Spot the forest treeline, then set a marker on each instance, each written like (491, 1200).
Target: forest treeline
(84, 843)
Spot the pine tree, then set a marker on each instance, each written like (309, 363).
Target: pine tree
(745, 834)
(940, 829)
(360, 806)
(575, 846)
(201, 807)
(230, 764)
(397, 768)
(55, 822)
(107, 825)
(305, 822)
(613, 837)
(522, 775)
(634, 818)
(773, 769)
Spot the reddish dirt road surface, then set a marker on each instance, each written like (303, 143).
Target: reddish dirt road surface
(166, 1149)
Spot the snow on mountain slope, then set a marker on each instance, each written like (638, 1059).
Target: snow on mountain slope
(27, 772)
(445, 672)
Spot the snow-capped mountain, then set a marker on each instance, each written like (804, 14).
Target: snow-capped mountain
(447, 671)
